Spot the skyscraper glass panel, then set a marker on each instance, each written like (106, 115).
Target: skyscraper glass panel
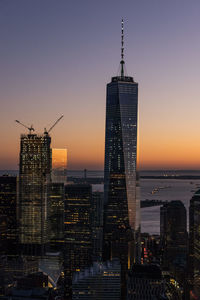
(59, 165)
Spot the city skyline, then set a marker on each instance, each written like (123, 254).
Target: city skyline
(68, 231)
(56, 59)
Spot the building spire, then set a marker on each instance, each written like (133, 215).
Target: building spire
(122, 48)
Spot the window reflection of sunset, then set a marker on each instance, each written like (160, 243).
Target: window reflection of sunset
(59, 158)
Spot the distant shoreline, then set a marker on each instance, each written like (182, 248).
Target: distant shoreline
(97, 176)
(187, 177)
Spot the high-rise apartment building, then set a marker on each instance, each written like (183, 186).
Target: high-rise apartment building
(122, 207)
(34, 175)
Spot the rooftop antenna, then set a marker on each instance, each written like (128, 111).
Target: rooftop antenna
(122, 48)
(29, 128)
(47, 132)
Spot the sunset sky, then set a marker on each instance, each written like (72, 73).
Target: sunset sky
(56, 57)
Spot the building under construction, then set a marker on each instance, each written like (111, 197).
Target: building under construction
(34, 177)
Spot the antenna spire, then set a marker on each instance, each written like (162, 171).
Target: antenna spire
(122, 48)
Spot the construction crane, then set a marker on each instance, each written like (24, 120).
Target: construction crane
(29, 128)
(47, 131)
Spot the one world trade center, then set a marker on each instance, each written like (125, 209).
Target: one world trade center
(122, 206)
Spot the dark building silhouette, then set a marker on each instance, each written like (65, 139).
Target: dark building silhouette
(194, 246)
(34, 280)
(56, 216)
(34, 175)
(145, 282)
(34, 286)
(14, 267)
(97, 225)
(8, 215)
(173, 232)
(99, 282)
(122, 207)
(77, 231)
(174, 245)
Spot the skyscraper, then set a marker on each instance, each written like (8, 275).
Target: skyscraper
(34, 174)
(8, 214)
(173, 233)
(194, 245)
(97, 225)
(122, 207)
(56, 216)
(174, 243)
(77, 230)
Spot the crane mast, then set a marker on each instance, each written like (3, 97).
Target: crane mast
(46, 132)
(29, 128)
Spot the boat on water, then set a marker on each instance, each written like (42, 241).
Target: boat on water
(157, 189)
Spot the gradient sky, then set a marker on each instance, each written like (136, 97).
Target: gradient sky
(56, 57)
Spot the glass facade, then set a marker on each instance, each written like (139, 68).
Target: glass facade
(77, 230)
(35, 170)
(56, 216)
(174, 237)
(122, 207)
(59, 165)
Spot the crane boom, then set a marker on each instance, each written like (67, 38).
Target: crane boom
(47, 132)
(29, 128)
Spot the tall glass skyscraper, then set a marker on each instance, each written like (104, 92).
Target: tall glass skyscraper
(122, 207)
(34, 175)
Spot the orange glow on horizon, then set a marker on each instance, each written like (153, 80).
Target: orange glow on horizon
(152, 154)
(159, 147)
